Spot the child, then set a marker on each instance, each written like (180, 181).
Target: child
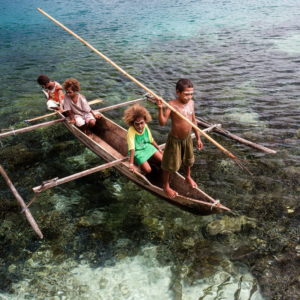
(77, 107)
(179, 146)
(53, 92)
(141, 144)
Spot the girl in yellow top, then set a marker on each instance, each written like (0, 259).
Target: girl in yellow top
(141, 144)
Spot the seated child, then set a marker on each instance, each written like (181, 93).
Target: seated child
(53, 92)
(141, 144)
(77, 107)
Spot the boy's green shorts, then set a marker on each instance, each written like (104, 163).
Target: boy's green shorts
(177, 152)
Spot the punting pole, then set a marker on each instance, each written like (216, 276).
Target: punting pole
(228, 153)
(20, 200)
(57, 181)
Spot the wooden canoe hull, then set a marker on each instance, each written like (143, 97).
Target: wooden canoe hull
(108, 141)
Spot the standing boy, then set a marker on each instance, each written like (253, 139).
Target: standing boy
(179, 146)
(53, 92)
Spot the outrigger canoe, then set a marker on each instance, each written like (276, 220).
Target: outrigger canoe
(108, 141)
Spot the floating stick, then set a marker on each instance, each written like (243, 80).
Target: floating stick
(228, 153)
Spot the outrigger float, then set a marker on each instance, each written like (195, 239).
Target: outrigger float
(108, 141)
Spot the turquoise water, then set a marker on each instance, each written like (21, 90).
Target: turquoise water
(106, 238)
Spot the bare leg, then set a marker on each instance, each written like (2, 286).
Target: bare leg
(146, 167)
(189, 179)
(166, 185)
(157, 156)
(88, 126)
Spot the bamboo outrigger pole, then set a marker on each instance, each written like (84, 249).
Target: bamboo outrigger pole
(57, 181)
(228, 153)
(29, 128)
(54, 113)
(40, 125)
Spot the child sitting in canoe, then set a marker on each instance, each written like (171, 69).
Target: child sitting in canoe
(179, 146)
(77, 107)
(53, 92)
(141, 144)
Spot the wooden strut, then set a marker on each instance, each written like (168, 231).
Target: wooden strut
(55, 113)
(107, 108)
(56, 181)
(228, 153)
(29, 128)
(21, 202)
(235, 137)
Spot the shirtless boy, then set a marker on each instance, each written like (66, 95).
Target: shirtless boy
(179, 146)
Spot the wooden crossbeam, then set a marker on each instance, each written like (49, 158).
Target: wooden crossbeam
(55, 112)
(29, 128)
(57, 181)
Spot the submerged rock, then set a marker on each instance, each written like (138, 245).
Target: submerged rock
(229, 225)
(18, 154)
(292, 173)
(93, 218)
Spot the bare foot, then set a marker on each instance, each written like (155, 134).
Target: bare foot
(170, 192)
(191, 182)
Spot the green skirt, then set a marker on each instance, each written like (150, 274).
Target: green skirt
(140, 156)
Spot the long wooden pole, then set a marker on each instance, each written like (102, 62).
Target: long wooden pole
(29, 128)
(138, 83)
(21, 202)
(54, 113)
(51, 183)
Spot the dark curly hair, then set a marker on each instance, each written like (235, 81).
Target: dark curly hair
(183, 84)
(72, 83)
(43, 79)
(136, 111)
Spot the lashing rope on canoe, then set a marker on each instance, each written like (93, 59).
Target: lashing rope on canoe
(38, 192)
(216, 203)
(29, 203)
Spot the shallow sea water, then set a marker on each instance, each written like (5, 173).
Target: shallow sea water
(106, 238)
